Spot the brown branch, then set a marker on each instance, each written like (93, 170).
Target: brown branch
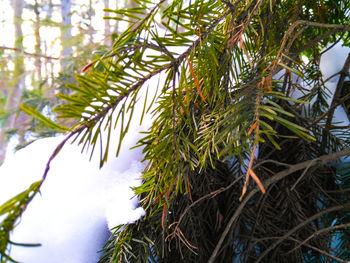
(302, 175)
(277, 177)
(271, 161)
(27, 53)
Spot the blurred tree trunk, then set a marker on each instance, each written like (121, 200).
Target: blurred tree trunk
(37, 62)
(17, 84)
(49, 72)
(90, 28)
(66, 31)
(107, 25)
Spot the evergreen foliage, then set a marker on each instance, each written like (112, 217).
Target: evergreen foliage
(225, 113)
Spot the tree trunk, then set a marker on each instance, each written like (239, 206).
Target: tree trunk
(17, 84)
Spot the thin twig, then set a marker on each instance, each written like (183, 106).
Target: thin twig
(210, 195)
(302, 175)
(139, 25)
(271, 161)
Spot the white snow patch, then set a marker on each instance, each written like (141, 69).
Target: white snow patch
(79, 203)
(333, 61)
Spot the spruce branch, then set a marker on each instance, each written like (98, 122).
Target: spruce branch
(307, 221)
(320, 251)
(318, 232)
(322, 160)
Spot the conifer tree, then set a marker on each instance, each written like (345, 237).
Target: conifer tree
(238, 168)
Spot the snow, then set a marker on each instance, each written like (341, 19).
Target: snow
(331, 63)
(79, 203)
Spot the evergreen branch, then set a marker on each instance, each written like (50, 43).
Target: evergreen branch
(148, 16)
(318, 232)
(27, 53)
(304, 223)
(100, 115)
(322, 160)
(210, 195)
(321, 251)
(157, 71)
(36, 189)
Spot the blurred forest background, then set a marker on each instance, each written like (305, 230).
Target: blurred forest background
(43, 44)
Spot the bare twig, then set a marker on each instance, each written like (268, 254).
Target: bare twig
(210, 195)
(271, 161)
(302, 175)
